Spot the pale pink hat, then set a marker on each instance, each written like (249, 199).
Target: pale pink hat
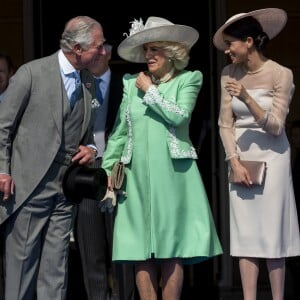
(272, 21)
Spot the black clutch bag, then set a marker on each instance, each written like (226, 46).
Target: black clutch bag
(256, 169)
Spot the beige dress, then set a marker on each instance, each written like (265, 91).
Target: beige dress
(263, 219)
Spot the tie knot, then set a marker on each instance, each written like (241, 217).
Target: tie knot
(76, 76)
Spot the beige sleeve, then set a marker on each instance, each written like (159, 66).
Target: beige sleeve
(274, 119)
(226, 120)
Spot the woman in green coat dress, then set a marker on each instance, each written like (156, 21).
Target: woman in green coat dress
(163, 218)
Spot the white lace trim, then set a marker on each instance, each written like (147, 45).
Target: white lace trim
(174, 146)
(152, 96)
(127, 156)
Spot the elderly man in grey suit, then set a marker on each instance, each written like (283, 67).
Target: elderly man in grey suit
(46, 123)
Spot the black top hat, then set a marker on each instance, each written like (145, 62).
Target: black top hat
(84, 182)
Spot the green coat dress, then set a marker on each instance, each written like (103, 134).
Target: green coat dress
(164, 212)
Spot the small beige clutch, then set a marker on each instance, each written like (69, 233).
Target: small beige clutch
(256, 169)
(118, 174)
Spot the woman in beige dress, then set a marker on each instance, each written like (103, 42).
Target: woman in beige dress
(255, 96)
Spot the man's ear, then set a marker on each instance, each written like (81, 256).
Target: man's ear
(77, 49)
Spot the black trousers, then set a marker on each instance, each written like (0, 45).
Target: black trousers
(93, 231)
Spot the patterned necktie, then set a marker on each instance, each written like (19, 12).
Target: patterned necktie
(98, 91)
(77, 89)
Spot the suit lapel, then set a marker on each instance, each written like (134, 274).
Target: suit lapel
(57, 93)
(87, 109)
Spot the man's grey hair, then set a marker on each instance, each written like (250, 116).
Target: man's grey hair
(78, 31)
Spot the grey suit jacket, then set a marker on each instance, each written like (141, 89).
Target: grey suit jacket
(31, 118)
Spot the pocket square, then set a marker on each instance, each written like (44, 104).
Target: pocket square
(95, 103)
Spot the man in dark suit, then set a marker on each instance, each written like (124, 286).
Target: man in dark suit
(94, 229)
(6, 71)
(42, 131)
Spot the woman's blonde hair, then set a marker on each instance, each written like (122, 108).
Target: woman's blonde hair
(177, 52)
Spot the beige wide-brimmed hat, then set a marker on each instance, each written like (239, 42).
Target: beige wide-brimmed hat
(155, 29)
(272, 21)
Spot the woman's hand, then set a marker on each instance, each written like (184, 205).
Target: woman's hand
(240, 173)
(143, 81)
(236, 89)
